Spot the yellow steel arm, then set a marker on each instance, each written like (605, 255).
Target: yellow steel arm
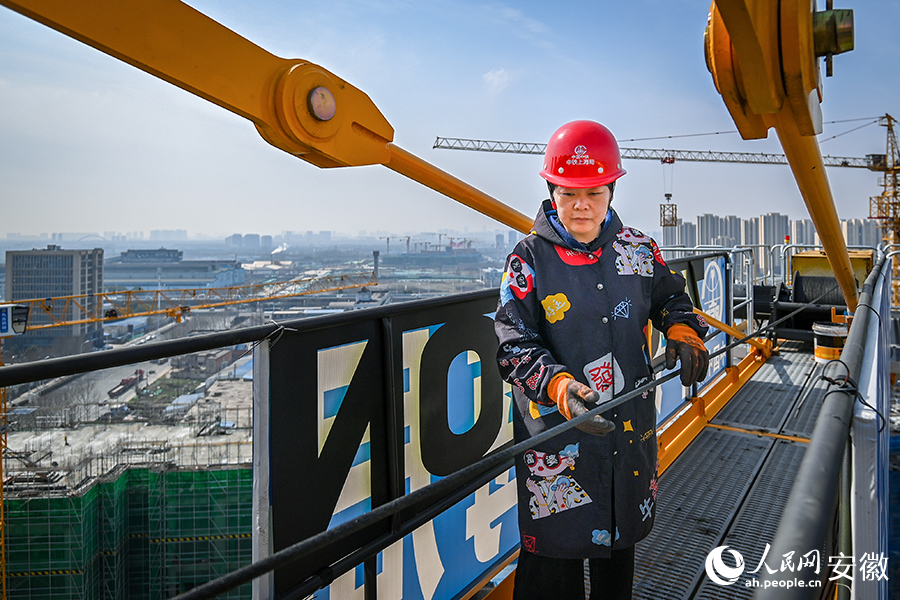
(762, 56)
(297, 106)
(178, 44)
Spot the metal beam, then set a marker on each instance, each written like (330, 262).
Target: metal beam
(297, 106)
(752, 48)
(660, 154)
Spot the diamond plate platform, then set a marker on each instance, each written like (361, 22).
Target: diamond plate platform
(728, 488)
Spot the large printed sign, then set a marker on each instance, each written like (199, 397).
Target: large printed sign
(371, 408)
(349, 430)
(670, 396)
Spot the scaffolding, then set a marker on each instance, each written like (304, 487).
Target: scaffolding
(200, 523)
(146, 521)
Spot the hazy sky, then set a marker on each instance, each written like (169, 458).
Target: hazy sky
(88, 143)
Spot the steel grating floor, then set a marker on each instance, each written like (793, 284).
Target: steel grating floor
(728, 488)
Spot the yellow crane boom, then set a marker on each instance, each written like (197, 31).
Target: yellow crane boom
(92, 308)
(297, 106)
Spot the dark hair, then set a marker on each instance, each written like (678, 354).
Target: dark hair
(611, 185)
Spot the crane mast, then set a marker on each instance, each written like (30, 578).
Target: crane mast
(886, 207)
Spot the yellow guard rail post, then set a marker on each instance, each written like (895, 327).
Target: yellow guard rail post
(763, 59)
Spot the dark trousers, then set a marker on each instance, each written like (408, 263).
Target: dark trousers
(542, 578)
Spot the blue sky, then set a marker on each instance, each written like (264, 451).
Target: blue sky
(88, 143)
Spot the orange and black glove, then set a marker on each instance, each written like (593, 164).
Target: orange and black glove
(571, 397)
(683, 343)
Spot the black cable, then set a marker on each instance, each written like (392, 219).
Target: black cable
(847, 385)
(851, 120)
(272, 337)
(669, 137)
(846, 132)
(685, 135)
(870, 307)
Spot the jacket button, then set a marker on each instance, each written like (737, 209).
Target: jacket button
(599, 286)
(605, 320)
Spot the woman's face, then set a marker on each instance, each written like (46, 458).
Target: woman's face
(582, 210)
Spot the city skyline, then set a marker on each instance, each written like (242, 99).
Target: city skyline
(706, 229)
(769, 229)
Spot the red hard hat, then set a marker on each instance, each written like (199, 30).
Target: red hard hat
(582, 154)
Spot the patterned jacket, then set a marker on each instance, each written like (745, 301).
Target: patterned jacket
(585, 310)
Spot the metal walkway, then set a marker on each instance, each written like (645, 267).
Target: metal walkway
(730, 485)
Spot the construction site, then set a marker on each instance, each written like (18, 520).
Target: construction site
(143, 495)
(136, 481)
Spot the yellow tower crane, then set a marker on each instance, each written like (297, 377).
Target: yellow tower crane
(176, 303)
(886, 206)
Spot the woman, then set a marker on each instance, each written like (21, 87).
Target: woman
(575, 302)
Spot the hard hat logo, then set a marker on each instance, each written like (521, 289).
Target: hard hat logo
(568, 163)
(581, 157)
(580, 160)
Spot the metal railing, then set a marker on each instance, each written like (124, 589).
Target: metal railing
(807, 522)
(788, 251)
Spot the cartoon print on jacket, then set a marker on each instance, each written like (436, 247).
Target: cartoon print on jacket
(517, 281)
(555, 307)
(657, 254)
(602, 538)
(605, 376)
(552, 490)
(654, 481)
(633, 236)
(635, 253)
(633, 259)
(646, 509)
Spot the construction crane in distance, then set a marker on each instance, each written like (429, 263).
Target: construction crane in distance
(668, 216)
(886, 207)
(176, 303)
(662, 155)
